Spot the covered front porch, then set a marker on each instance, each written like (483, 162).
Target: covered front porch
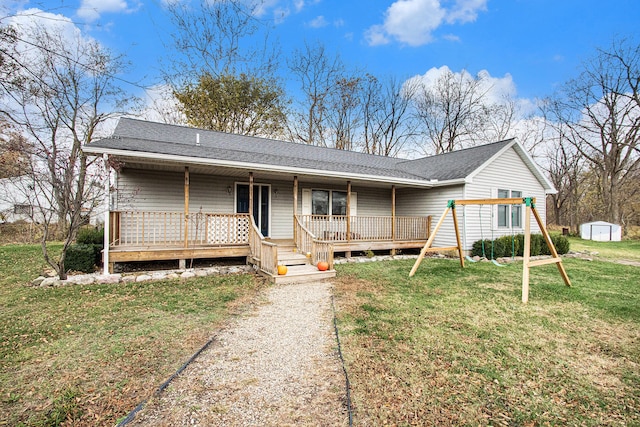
(159, 236)
(163, 211)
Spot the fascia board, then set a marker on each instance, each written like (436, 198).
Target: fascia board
(257, 166)
(526, 158)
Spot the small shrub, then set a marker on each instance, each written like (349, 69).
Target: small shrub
(80, 258)
(477, 249)
(561, 243)
(90, 236)
(95, 238)
(507, 246)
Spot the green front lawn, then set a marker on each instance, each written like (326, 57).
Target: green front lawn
(457, 347)
(624, 250)
(91, 353)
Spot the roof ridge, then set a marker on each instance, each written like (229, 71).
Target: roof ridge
(460, 151)
(280, 141)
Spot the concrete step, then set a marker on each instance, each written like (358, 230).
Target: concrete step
(302, 274)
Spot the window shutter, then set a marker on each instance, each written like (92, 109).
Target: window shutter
(306, 201)
(354, 204)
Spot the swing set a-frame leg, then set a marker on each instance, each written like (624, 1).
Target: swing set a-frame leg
(450, 207)
(526, 263)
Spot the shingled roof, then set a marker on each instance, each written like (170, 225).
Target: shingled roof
(140, 138)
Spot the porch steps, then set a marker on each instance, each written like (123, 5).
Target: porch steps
(303, 274)
(299, 268)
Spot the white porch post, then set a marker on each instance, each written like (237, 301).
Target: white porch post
(107, 215)
(393, 217)
(348, 253)
(295, 208)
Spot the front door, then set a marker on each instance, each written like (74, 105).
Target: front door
(261, 204)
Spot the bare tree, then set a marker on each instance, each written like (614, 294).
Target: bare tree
(455, 112)
(222, 68)
(59, 95)
(599, 114)
(565, 167)
(387, 124)
(219, 38)
(344, 116)
(317, 74)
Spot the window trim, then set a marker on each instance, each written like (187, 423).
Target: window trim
(510, 210)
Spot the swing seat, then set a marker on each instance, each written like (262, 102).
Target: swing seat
(470, 259)
(497, 263)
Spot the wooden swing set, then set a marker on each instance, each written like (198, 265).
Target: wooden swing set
(530, 208)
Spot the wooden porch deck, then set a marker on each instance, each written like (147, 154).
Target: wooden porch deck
(160, 236)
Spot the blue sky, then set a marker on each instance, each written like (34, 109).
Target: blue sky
(534, 44)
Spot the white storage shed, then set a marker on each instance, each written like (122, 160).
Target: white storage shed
(601, 231)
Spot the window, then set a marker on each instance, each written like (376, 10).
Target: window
(509, 216)
(320, 202)
(22, 209)
(338, 203)
(325, 202)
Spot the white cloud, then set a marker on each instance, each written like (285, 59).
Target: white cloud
(280, 14)
(318, 22)
(299, 5)
(497, 88)
(161, 106)
(376, 36)
(91, 10)
(413, 22)
(466, 11)
(27, 21)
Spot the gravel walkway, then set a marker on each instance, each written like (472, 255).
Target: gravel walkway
(275, 366)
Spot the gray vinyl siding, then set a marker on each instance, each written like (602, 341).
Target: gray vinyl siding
(508, 172)
(164, 192)
(373, 201)
(419, 202)
(410, 202)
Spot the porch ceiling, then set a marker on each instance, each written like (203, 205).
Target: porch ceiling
(243, 173)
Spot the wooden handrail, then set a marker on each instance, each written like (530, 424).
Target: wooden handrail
(366, 228)
(308, 243)
(266, 253)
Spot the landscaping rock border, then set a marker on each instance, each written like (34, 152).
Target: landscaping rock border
(98, 278)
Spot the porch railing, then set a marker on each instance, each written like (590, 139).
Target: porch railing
(307, 243)
(150, 228)
(339, 228)
(266, 253)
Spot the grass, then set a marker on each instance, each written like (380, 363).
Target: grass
(456, 347)
(624, 250)
(87, 355)
(446, 347)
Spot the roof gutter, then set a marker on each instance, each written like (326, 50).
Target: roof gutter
(260, 166)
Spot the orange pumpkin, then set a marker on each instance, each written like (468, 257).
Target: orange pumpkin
(323, 265)
(282, 270)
